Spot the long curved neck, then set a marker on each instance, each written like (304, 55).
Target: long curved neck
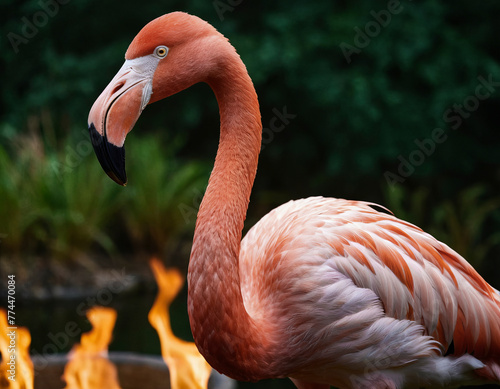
(221, 327)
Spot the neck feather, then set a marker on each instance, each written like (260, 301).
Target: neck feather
(223, 331)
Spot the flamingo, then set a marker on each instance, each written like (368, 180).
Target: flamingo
(324, 291)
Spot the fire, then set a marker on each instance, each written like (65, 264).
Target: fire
(19, 375)
(89, 366)
(188, 369)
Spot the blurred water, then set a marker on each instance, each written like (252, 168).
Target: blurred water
(50, 322)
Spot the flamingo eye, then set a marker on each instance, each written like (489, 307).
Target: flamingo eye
(161, 51)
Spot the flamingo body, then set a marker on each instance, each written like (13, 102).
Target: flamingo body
(324, 291)
(374, 284)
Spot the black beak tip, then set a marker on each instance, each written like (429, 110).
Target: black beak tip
(111, 157)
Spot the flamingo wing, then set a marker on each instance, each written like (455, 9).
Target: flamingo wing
(356, 287)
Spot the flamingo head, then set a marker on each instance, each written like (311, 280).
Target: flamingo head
(168, 55)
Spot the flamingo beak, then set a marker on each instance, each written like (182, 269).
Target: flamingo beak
(115, 112)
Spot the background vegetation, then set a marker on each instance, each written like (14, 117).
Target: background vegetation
(355, 119)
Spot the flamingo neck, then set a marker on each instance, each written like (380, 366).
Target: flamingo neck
(222, 329)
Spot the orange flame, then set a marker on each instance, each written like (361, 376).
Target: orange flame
(19, 375)
(89, 366)
(188, 369)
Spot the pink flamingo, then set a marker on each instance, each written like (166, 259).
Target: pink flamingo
(324, 291)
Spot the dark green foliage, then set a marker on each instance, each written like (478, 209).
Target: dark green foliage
(68, 209)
